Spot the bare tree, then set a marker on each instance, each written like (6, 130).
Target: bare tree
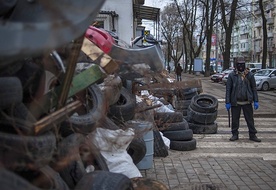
(228, 19)
(264, 34)
(171, 30)
(210, 7)
(192, 20)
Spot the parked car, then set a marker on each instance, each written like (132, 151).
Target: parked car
(254, 70)
(224, 79)
(219, 76)
(265, 79)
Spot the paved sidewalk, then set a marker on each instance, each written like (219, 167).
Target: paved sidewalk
(181, 171)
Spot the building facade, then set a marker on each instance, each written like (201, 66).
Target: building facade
(125, 18)
(247, 35)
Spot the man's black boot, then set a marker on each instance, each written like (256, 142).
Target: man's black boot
(234, 138)
(254, 138)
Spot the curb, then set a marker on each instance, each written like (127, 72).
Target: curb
(259, 115)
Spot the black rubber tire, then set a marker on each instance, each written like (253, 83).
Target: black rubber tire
(20, 120)
(88, 122)
(30, 76)
(183, 145)
(11, 68)
(265, 86)
(69, 152)
(202, 118)
(184, 112)
(137, 150)
(168, 117)
(159, 147)
(104, 122)
(180, 135)
(204, 103)
(128, 84)
(21, 152)
(124, 109)
(46, 179)
(204, 129)
(183, 125)
(11, 92)
(186, 93)
(182, 104)
(104, 180)
(11, 181)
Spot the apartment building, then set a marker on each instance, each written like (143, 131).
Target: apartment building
(247, 34)
(269, 7)
(241, 42)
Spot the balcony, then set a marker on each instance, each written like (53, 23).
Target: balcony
(258, 49)
(270, 34)
(244, 40)
(270, 21)
(257, 38)
(244, 50)
(258, 24)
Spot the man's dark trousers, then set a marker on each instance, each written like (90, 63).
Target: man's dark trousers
(248, 115)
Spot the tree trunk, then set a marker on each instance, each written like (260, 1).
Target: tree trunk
(264, 35)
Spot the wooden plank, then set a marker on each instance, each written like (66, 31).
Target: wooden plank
(85, 79)
(50, 121)
(79, 83)
(70, 70)
(99, 57)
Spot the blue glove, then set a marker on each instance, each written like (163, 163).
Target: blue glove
(256, 105)
(228, 106)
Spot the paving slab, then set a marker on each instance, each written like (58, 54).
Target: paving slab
(217, 163)
(180, 173)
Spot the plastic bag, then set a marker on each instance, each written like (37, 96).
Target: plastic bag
(112, 145)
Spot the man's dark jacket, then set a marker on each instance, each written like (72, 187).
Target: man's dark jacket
(232, 87)
(178, 70)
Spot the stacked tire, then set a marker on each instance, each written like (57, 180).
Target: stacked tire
(24, 157)
(202, 114)
(124, 109)
(182, 99)
(176, 129)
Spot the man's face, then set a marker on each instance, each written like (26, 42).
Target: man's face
(240, 66)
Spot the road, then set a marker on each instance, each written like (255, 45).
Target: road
(267, 99)
(218, 145)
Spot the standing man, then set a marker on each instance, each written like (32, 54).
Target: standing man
(178, 71)
(240, 94)
(169, 68)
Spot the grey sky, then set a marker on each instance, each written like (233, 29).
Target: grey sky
(157, 3)
(154, 3)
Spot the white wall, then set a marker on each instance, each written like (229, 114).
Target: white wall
(124, 22)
